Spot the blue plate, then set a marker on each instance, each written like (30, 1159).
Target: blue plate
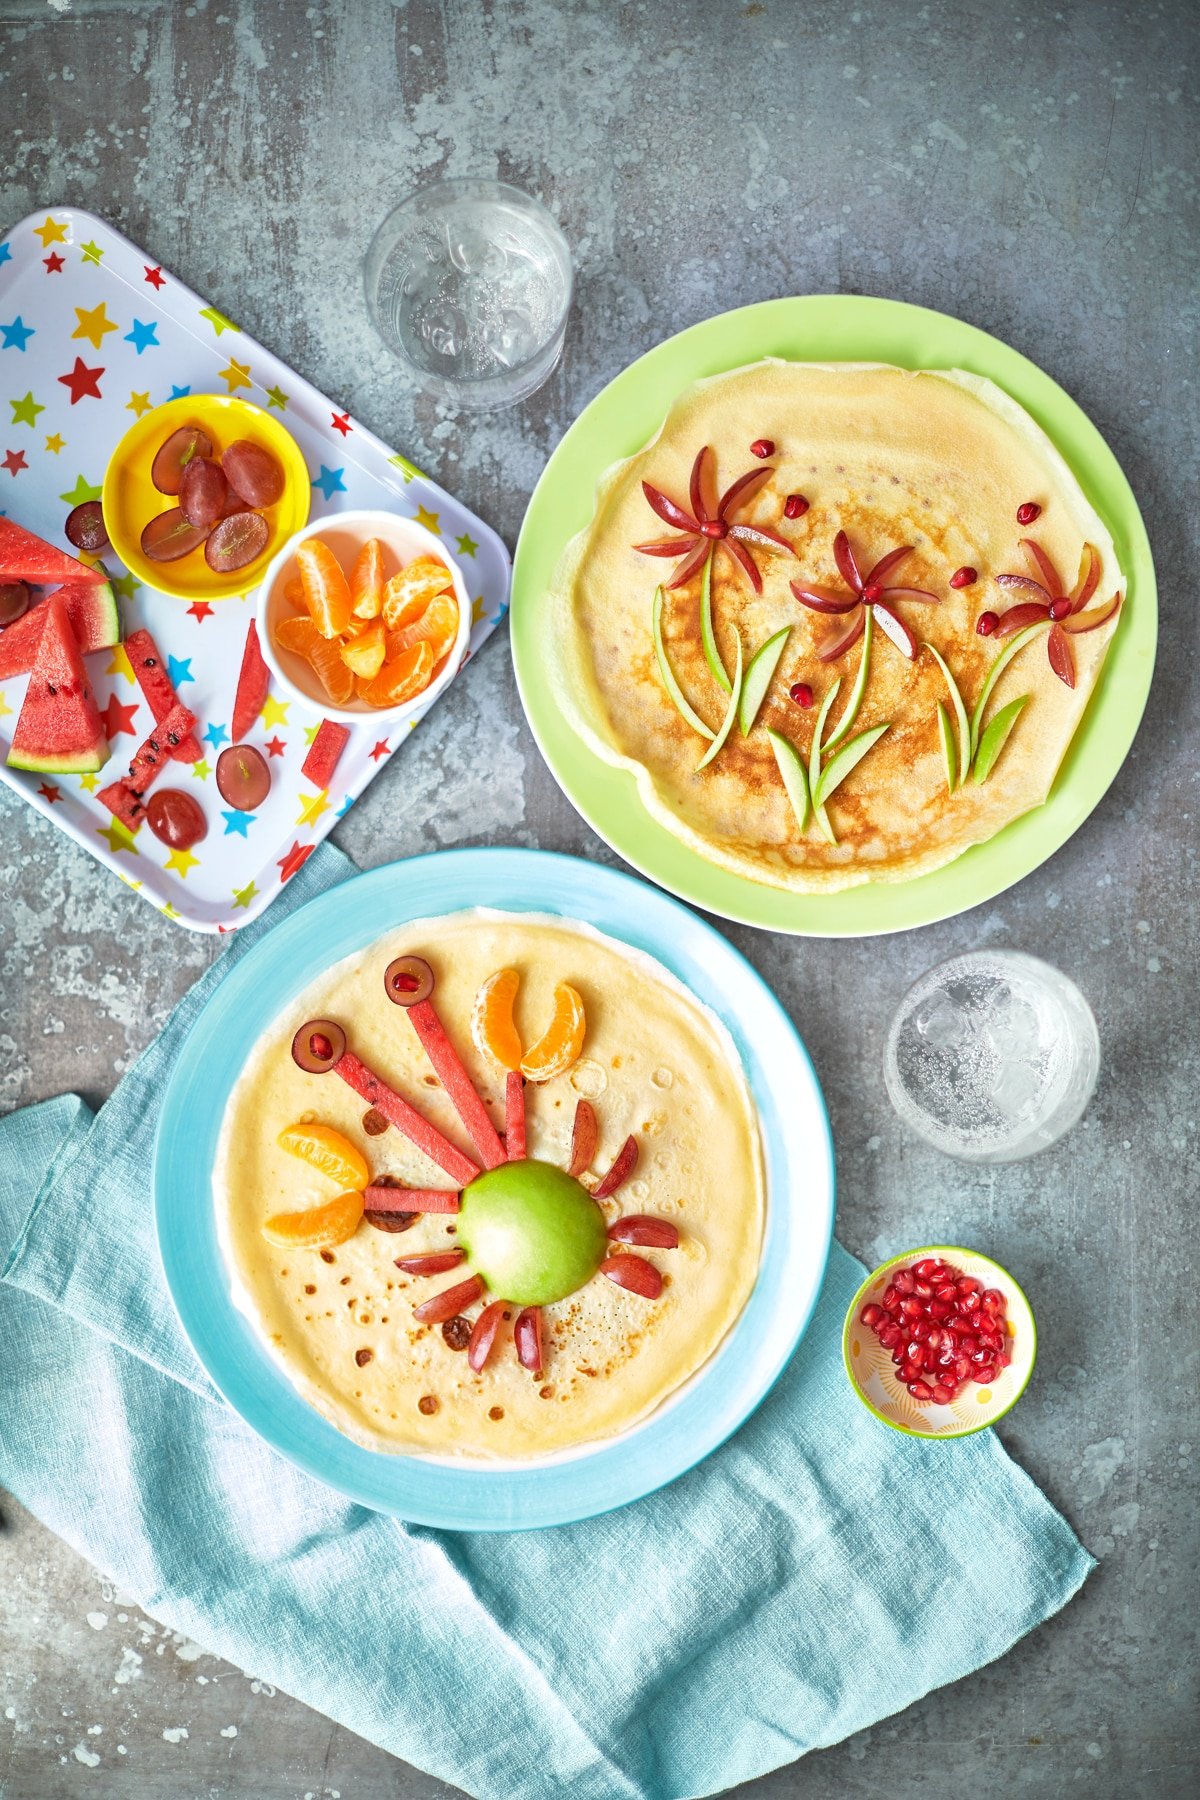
(800, 1189)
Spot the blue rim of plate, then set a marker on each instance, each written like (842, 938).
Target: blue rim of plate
(795, 1132)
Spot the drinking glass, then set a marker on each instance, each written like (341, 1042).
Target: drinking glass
(469, 282)
(992, 1056)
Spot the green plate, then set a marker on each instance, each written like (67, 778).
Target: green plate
(828, 328)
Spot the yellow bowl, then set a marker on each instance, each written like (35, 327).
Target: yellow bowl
(130, 498)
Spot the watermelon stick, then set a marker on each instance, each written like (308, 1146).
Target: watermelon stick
(514, 1115)
(322, 758)
(410, 1200)
(407, 1120)
(147, 664)
(253, 682)
(408, 981)
(124, 796)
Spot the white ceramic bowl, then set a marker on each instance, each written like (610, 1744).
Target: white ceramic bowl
(346, 533)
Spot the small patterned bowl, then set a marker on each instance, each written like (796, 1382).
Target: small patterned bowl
(873, 1374)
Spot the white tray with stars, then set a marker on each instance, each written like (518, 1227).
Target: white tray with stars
(94, 332)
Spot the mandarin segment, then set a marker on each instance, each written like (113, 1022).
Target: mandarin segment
(320, 1228)
(401, 677)
(363, 655)
(407, 594)
(554, 1053)
(437, 626)
(326, 590)
(366, 580)
(328, 1151)
(492, 1025)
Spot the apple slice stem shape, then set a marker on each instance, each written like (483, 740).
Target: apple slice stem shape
(1061, 655)
(759, 675)
(960, 716)
(949, 749)
(679, 699)
(842, 728)
(1079, 623)
(814, 763)
(1011, 649)
(893, 627)
(731, 711)
(847, 759)
(1089, 578)
(996, 736)
(708, 636)
(791, 770)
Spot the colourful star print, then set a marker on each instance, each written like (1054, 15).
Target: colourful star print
(310, 733)
(243, 896)
(311, 807)
(119, 837)
(181, 861)
(407, 469)
(181, 670)
(5, 253)
(89, 783)
(51, 232)
(429, 520)
(466, 545)
(14, 461)
(341, 422)
(120, 664)
(83, 382)
(5, 709)
(154, 276)
(16, 335)
(166, 908)
(217, 320)
(201, 770)
(381, 750)
(54, 263)
(137, 404)
(200, 610)
(124, 585)
(25, 412)
(275, 746)
(216, 735)
(344, 808)
(49, 792)
(143, 336)
(179, 393)
(274, 712)
(330, 481)
(91, 252)
(237, 375)
(238, 823)
(83, 490)
(295, 859)
(478, 609)
(54, 443)
(93, 324)
(118, 718)
(276, 397)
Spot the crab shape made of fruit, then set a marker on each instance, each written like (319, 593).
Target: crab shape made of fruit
(711, 522)
(529, 1232)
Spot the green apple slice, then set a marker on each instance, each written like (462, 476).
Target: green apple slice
(731, 712)
(846, 759)
(759, 675)
(712, 655)
(949, 753)
(682, 704)
(996, 671)
(860, 684)
(996, 736)
(814, 763)
(960, 717)
(791, 767)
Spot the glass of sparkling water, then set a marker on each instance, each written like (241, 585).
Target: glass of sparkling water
(469, 282)
(992, 1056)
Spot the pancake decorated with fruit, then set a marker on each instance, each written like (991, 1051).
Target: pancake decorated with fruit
(491, 1188)
(841, 622)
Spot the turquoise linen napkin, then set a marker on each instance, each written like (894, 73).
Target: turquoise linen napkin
(712, 1632)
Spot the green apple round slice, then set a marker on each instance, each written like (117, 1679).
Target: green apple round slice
(960, 717)
(680, 699)
(860, 684)
(846, 759)
(708, 638)
(996, 736)
(759, 674)
(791, 768)
(996, 671)
(730, 713)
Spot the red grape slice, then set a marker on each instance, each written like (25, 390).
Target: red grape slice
(640, 1228)
(169, 536)
(431, 1262)
(203, 493)
(449, 1301)
(237, 540)
(253, 473)
(483, 1334)
(166, 471)
(176, 819)
(622, 1169)
(14, 601)
(85, 526)
(527, 1336)
(633, 1273)
(243, 778)
(583, 1138)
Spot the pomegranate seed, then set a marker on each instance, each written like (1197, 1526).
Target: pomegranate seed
(967, 1285)
(889, 1335)
(947, 1291)
(922, 1290)
(964, 577)
(765, 447)
(941, 1328)
(321, 1046)
(942, 1394)
(801, 693)
(984, 1372)
(923, 1329)
(934, 1336)
(872, 593)
(1028, 512)
(962, 1367)
(916, 1353)
(795, 506)
(924, 1267)
(908, 1371)
(902, 1281)
(891, 1299)
(993, 1299)
(1060, 608)
(920, 1390)
(986, 623)
(911, 1307)
(871, 1315)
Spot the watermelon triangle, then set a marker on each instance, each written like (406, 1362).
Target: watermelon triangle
(59, 729)
(24, 557)
(95, 624)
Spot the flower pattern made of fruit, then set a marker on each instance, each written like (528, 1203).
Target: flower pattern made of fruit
(529, 1233)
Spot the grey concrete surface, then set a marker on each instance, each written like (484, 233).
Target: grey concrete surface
(1030, 168)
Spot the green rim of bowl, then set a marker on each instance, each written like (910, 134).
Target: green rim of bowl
(827, 328)
(904, 1256)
